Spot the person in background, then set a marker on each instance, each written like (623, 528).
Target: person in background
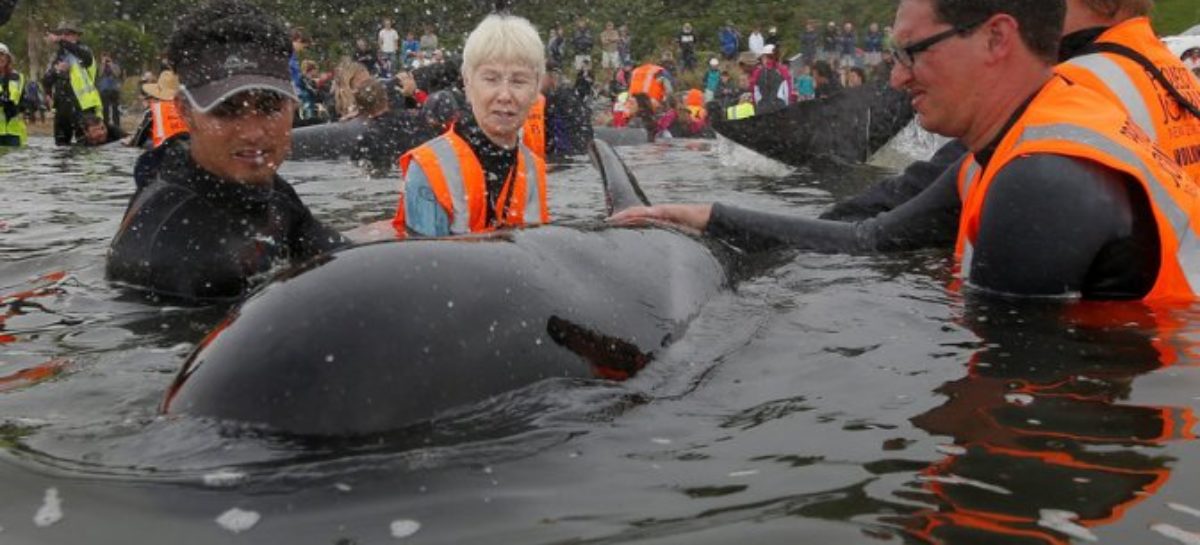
(12, 84)
(873, 45)
(626, 44)
(96, 132)
(299, 43)
(307, 92)
(408, 48)
(728, 90)
(855, 77)
(211, 218)
(389, 43)
(744, 109)
(478, 176)
(71, 82)
(756, 41)
(829, 43)
(556, 46)
(730, 39)
(162, 120)
(848, 45)
(610, 51)
(364, 55)
(805, 85)
(687, 47)
(827, 82)
(712, 79)
(652, 81)
(429, 40)
(810, 40)
(585, 83)
(403, 94)
(108, 81)
(771, 83)
(772, 37)
(582, 43)
(33, 105)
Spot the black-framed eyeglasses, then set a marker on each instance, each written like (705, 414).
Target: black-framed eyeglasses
(906, 56)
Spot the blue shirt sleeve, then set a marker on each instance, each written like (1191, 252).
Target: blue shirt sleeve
(422, 212)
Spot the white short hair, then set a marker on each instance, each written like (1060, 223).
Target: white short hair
(504, 38)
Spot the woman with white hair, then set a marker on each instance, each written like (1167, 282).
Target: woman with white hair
(479, 176)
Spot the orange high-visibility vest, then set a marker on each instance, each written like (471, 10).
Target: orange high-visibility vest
(1071, 120)
(694, 101)
(645, 80)
(456, 177)
(1128, 83)
(165, 121)
(533, 134)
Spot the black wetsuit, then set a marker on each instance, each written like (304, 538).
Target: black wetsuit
(497, 162)
(1051, 225)
(190, 236)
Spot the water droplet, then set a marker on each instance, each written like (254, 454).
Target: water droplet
(404, 528)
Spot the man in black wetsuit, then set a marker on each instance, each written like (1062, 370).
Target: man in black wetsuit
(210, 217)
(1053, 223)
(1087, 22)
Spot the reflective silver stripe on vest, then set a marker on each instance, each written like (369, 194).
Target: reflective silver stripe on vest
(1117, 80)
(964, 267)
(1188, 254)
(460, 216)
(645, 90)
(533, 189)
(972, 173)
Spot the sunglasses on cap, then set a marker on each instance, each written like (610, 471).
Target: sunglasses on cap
(249, 102)
(906, 56)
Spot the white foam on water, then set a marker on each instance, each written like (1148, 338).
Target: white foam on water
(951, 450)
(403, 528)
(746, 473)
(223, 478)
(1176, 534)
(51, 510)
(1185, 509)
(955, 479)
(237, 521)
(1063, 521)
(1022, 400)
(910, 144)
(737, 156)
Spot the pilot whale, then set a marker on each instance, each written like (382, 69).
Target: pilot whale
(380, 337)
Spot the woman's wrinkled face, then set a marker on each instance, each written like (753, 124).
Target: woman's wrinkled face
(501, 94)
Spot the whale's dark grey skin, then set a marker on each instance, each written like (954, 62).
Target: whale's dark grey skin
(380, 337)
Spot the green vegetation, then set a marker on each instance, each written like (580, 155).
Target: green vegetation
(135, 30)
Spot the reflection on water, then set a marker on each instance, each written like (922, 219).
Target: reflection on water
(832, 399)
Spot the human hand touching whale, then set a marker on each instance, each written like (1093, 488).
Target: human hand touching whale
(689, 217)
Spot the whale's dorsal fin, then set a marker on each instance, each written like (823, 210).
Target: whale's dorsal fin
(621, 189)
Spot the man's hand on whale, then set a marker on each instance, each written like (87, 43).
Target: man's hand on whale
(689, 217)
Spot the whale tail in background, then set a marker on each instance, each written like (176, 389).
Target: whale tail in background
(621, 189)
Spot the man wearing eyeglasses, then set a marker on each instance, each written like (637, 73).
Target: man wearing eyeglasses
(210, 216)
(1061, 195)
